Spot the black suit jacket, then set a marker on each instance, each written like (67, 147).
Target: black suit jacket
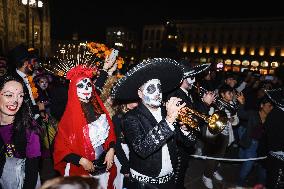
(146, 138)
(27, 98)
(274, 130)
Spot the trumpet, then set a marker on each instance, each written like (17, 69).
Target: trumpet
(216, 122)
(220, 104)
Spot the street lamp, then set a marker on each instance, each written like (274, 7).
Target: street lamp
(33, 3)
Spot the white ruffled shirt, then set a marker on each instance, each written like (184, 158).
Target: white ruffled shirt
(98, 131)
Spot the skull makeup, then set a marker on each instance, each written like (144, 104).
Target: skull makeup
(43, 83)
(190, 81)
(84, 89)
(152, 93)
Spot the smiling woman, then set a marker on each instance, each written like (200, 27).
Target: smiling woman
(19, 138)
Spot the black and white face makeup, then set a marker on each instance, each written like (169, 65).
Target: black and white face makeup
(43, 83)
(84, 89)
(152, 93)
(190, 81)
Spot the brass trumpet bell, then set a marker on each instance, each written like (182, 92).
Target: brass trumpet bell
(216, 122)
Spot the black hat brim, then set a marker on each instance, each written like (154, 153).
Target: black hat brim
(193, 71)
(276, 96)
(168, 71)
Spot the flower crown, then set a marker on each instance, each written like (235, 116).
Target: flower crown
(81, 71)
(89, 55)
(101, 52)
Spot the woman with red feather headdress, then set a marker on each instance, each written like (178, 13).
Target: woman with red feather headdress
(84, 144)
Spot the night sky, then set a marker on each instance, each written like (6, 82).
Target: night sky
(89, 18)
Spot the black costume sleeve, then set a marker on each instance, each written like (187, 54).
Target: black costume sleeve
(100, 82)
(73, 158)
(185, 140)
(31, 173)
(2, 156)
(120, 154)
(146, 143)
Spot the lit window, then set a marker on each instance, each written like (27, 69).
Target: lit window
(274, 64)
(228, 62)
(192, 49)
(207, 50)
(255, 63)
(261, 51)
(272, 52)
(216, 50)
(224, 51)
(245, 63)
(237, 62)
(242, 51)
(251, 52)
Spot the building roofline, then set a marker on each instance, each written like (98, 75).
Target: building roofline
(232, 20)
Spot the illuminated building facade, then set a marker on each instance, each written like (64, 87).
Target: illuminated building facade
(23, 21)
(256, 44)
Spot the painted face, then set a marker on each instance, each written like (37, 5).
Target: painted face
(84, 89)
(43, 83)
(11, 98)
(152, 93)
(190, 81)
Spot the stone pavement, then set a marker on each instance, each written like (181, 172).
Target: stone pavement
(229, 171)
(193, 180)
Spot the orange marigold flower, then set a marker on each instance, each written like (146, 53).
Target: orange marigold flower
(95, 51)
(119, 66)
(107, 52)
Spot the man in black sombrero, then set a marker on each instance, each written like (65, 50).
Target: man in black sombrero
(185, 92)
(149, 129)
(274, 142)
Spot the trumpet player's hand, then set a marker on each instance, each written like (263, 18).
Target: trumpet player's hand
(209, 97)
(173, 107)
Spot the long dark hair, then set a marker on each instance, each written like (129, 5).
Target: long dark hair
(23, 120)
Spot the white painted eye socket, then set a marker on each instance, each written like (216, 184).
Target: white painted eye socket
(152, 94)
(190, 80)
(84, 89)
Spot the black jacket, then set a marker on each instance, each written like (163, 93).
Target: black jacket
(146, 137)
(120, 139)
(274, 130)
(27, 98)
(250, 120)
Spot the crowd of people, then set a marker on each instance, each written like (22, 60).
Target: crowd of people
(137, 131)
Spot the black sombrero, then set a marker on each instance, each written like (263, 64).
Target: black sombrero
(276, 96)
(190, 71)
(168, 71)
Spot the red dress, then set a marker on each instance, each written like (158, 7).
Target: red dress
(73, 130)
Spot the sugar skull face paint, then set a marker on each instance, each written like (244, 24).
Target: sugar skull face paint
(152, 93)
(84, 89)
(43, 83)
